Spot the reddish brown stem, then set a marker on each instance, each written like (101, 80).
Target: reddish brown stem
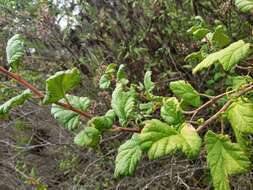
(40, 95)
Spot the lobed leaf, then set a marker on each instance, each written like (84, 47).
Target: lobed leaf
(15, 101)
(89, 136)
(185, 91)
(69, 119)
(161, 139)
(15, 51)
(59, 84)
(244, 5)
(224, 158)
(129, 155)
(171, 111)
(227, 57)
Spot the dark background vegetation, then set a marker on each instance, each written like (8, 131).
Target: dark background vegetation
(142, 34)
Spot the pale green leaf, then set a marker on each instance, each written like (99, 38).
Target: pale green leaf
(129, 155)
(123, 103)
(59, 84)
(121, 75)
(244, 5)
(105, 80)
(148, 84)
(185, 91)
(163, 139)
(69, 119)
(224, 159)
(200, 33)
(89, 136)
(171, 111)
(15, 51)
(14, 102)
(227, 57)
(103, 122)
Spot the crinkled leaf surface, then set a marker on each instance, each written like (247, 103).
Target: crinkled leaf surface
(148, 84)
(89, 136)
(171, 111)
(103, 122)
(129, 155)
(123, 103)
(185, 91)
(227, 57)
(219, 38)
(59, 84)
(244, 5)
(105, 80)
(15, 51)
(13, 102)
(224, 159)
(121, 75)
(69, 119)
(163, 139)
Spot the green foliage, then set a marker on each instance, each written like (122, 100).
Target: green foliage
(68, 118)
(105, 80)
(121, 75)
(123, 103)
(89, 136)
(15, 51)
(14, 102)
(227, 57)
(171, 111)
(244, 5)
(224, 159)
(148, 84)
(165, 140)
(129, 155)
(59, 84)
(103, 122)
(219, 38)
(185, 91)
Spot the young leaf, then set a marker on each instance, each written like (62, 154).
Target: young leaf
(105, 80)
(13, 102)
(103, 122)
(185, 91)
(69, 119)
(227, 57)
(171, 111)
(148, 84)
(59, 84)
(89, 136)
(165, 140)
(121, 75)
(224, 158)
(123, 103)
(244, 5)
(129, 155)
(15, 51)
(200, 33)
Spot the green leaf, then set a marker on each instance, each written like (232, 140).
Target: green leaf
(15, 51)
(121, 75)
(148, 84)
(14, 102)
(227, 57)
(244, 5)
(240, 115)
(185, 91)
(219, 38)
(235, 82)
(59, 84)
(194, 57)
(171, 111)
(89, 136)
(105, 80)
(103, 122)
(129, 155)
(200, 33)
(163, 139)
(69, 119)
(123, 104)
(224, 158)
